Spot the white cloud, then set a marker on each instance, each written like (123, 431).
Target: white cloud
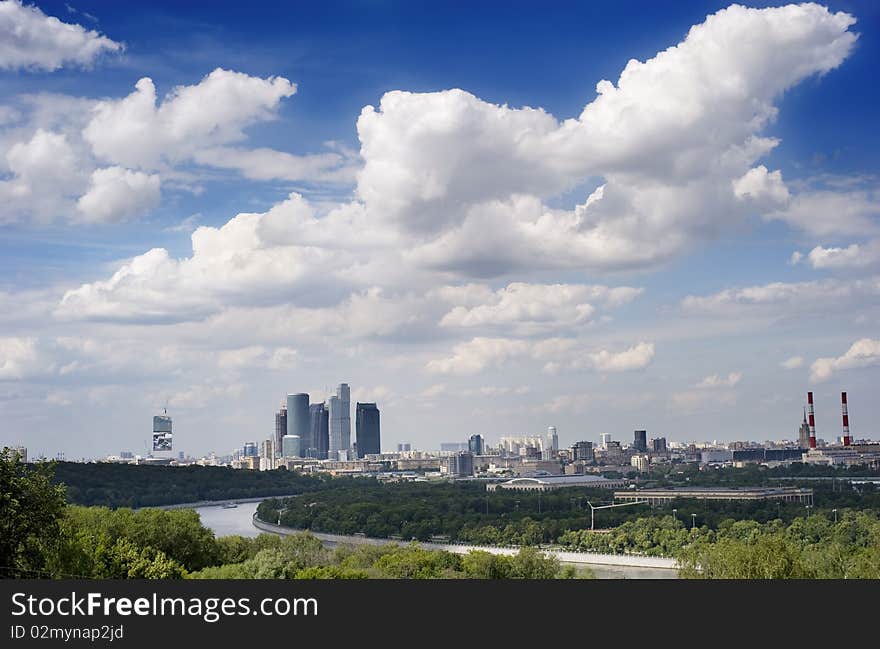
(18, 357)
(117, 194)
(635, 358)
(478, 354)
(532, 308)
(135, 132)
(269, 164)
(832, 212)
(672, 139)
(862, 353)
(715, 381)
(556, 353)
(783, 298)
(793, 362)
(759, 184)
(853, 256)
(31, 40)
(45, 175)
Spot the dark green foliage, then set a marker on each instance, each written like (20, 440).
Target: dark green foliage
(129, 485)
(30, 505)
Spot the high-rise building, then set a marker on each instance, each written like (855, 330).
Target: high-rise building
(553, 437)
(162, 436)
(460, 464)
(582, 451)
(319, 431)
(453, 447)
(367, 429)
(476, 444)
(640, 440)
(298, 418)
(340, 420)
(250, 450)
(267, 454)
(804, 433)
(404, 447)
(280, 427)
(290, 446)
(658, 445)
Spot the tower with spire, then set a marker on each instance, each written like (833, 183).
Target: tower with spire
(804, 433)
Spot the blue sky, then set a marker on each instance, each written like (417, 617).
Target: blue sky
(435, 256)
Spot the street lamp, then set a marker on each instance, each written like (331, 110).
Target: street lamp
(693, 521)
(674, 512)
(835, 515)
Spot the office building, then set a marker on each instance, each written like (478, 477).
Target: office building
(460, 464)
(290, 446)
(250, 450)
(162, 436)
(367, 429)
(453, 447)
(340, 421)
(267, 455)
(280, 426)
(582, 451)
(476, 444)
(298, 418)
(319, 431)
(640, 440)
(404, 447)
(605, 439)
(658, 445)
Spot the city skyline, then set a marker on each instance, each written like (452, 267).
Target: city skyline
(605, 218)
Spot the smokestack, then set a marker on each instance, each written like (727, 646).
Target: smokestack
(847, 440)
(812, 421)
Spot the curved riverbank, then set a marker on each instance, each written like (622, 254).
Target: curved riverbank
(639, 567)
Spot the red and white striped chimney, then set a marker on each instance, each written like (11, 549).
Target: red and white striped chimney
(847, 440)
(812, 420)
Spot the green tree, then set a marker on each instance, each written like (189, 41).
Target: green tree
(30, 506)
(530, 563)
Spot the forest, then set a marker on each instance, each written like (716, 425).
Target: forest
(130, 485)
(467, 512)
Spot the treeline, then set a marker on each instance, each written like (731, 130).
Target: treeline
(130, 485)
(751, 475)
(810, 547)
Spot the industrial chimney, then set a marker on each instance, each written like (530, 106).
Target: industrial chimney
(847, 440)
(812, 420)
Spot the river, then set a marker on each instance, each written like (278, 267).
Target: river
(239, 520)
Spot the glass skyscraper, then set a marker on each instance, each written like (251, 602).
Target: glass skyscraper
(340, 421)
(367, 429)
(298, 418)
(319, 431)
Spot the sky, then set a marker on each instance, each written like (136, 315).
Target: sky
(486, 217)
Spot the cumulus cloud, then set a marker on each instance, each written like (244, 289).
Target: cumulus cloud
(45, 174)
(532, 308)
(675, 140)
(31, 40)
(136, 132)
(832, 212)
(635, 358)
(117, 194)
(852, 256)
(862, 353)
(478, 354)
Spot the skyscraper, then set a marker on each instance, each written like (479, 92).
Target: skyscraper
(367, 429)
(298, 418)
(290, 446)
(606, 439)
(280, 427)
(553, 437)
(476, 444)
(340, 420)
(640, 440)
(804, 433)
(319, 431)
